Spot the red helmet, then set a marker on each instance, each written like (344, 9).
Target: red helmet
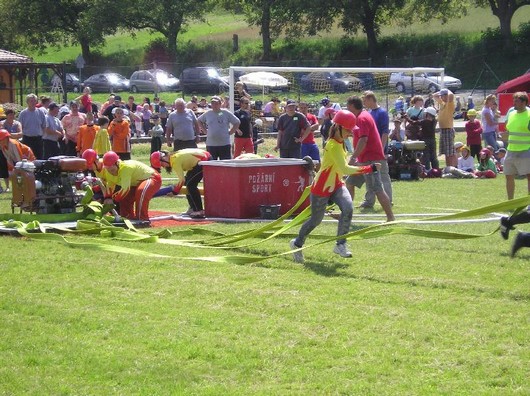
(329, 111)
(155, 160)
(110, 158)
(345, 119)
(4, 134)
(90, 156)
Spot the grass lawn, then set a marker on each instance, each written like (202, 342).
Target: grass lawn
(404, 316)
(221, 26)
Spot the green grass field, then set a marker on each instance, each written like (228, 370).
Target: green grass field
(221, 26)
(405, 316)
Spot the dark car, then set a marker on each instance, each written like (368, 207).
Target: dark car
(107, 82)
(73, 83)
(153, 80)
(202, 79)
(330, 81)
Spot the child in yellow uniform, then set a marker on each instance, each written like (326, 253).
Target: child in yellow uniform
(101, 141)
(328, 185)
(185, 163)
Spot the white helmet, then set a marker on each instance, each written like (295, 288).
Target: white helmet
(258, 122)
(431, 110)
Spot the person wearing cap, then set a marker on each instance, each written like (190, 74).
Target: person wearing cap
(110, 109)
(138, 183)
(182, 128)
(243, 137)
(500, 156)
(87, 134)
(120, 134)
(368, 150)
(33, 121)
(328, 186)
(53, 134)
(446, 103)
(293, 127)
(466, 161)
(71, 124)
(427, 133)
(473, 133)
(325, 104)
(13, 150)
(218, 124)
(185, 163)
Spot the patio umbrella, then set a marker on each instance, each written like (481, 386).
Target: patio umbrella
(264, 80)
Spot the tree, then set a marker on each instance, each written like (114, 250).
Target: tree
(504, 10)
(168, 17)
(368, 15)
(55, 22)
(276, 17)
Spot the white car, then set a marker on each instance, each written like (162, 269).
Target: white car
(424, 82)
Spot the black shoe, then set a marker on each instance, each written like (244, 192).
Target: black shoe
(518, 243)
(505, 227)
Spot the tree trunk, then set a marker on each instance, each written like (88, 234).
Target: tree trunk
(172, 45)
(266, 32)
(369, 28)
(85, 50)
(505, 20)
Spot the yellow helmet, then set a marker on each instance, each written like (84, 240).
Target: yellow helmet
(471, 113)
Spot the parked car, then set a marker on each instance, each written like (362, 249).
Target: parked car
(264, 82)
(423, 82)
(73, 83)
(107, 82)
(330, 81)
(153, 80)
(202, 79)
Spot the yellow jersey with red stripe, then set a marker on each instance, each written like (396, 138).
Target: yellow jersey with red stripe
(333, 168)
(130, 174)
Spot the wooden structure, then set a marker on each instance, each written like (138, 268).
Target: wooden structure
(19, 76)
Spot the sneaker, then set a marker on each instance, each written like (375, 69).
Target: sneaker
(505, 227)
(7, 190)
(366, 205)
(188, 212)
(342, 250)
(197, 215)
(298, 256)
(517, 244)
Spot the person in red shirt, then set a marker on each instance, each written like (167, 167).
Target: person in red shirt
(368, 150)
(474, 134)
(328, 186)
(86, 100)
